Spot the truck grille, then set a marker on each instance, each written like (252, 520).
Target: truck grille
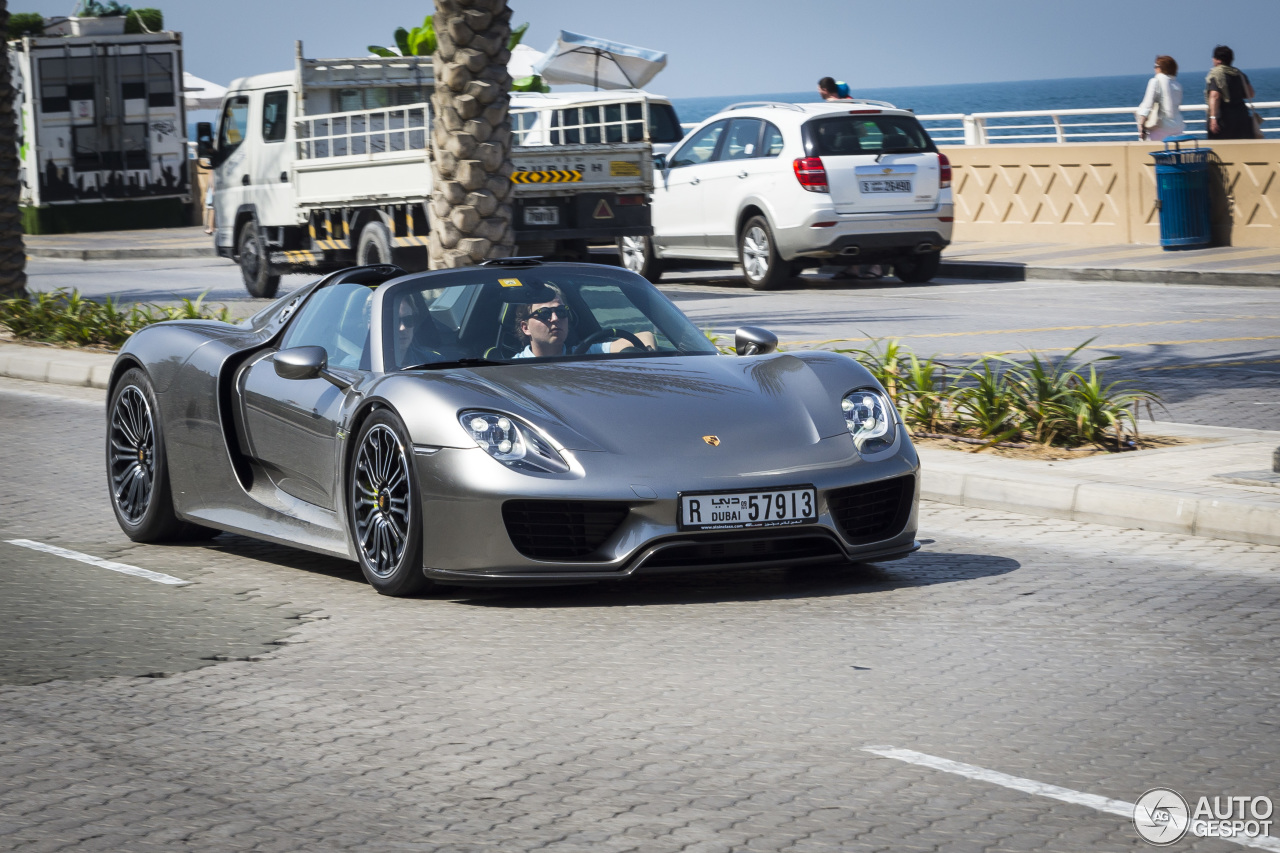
(874, 511)
(561, 530)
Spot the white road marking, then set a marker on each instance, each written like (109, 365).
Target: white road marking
(122, 568)
(1030, 786)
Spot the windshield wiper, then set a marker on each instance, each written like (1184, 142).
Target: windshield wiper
(461, 362)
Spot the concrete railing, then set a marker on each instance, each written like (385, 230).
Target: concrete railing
(1104, 192)
(1083, 125)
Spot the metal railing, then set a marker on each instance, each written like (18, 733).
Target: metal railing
(1077, 125)
(362, 133)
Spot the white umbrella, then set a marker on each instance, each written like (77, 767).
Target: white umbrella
(604, 64)
(201, 94)
(522, 61)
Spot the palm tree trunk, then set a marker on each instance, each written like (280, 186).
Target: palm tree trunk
(13, 257)
(470, 209)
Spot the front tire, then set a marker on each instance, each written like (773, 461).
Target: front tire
(763, 267)
(918, 269)
(374, 246)
(636, 254)
(384, 508)
(138, 466)
(255, 265)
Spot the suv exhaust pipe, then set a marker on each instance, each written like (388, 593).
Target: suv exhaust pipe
(850, 250)
(926, 248)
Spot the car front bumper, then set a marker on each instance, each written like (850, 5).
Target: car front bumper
(465, 538)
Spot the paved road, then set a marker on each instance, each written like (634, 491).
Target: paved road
(701, 714)
(1212, 352)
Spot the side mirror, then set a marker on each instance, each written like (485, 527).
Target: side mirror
(660, 162)
(204, 141)
(753, 340)
(300, 362)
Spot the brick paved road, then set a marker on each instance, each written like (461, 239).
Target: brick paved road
(702, 714)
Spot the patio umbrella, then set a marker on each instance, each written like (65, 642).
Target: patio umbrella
(604, 64)
(201, 94)
(522, 61)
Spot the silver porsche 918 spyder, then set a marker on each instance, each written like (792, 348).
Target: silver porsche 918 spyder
(518, 422)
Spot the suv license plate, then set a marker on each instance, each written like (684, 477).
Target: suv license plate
(885, 186)
(762, 508)
(542, 216)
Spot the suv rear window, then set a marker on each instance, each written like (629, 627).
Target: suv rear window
(839, 135)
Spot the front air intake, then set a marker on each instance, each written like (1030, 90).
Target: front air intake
(874, 511)
(561, 530)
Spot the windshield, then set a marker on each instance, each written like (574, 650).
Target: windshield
(518, 314)
(865, 134)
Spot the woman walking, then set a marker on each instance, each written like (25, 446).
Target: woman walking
(1226, 91)
(1160, 114)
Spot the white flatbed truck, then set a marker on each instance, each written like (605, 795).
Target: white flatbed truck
(328, 165)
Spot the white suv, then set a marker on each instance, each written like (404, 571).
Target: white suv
(778, 187)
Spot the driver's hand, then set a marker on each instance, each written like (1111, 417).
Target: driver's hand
(645, 337)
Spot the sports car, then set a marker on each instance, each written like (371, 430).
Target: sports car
(516, 422)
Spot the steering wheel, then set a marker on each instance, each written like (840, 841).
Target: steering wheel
(607, 334)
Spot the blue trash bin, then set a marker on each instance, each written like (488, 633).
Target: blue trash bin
(1182, 188)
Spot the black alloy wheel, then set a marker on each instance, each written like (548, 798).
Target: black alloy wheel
(137, 466)
(384, 508)
(255, 265)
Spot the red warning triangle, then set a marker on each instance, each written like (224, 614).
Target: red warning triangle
(603, 211)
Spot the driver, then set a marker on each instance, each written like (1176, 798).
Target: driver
(545, 328)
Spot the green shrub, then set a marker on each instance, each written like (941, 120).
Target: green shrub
(144, 20)
(26, 24)
(998, 398)
(68, 318)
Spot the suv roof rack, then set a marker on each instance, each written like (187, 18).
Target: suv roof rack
(522, 261)
(774, 104)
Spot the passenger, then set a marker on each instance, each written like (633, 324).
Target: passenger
(829, 89)
(1225, 91)
(1160, 114)
(545, 326)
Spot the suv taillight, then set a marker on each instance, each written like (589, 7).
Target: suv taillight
(944, 171)
(811, 174)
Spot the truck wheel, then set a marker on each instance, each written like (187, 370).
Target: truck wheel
(255, 266)
(763, 267)
(374, 246)
(917, 269)
(636, 254)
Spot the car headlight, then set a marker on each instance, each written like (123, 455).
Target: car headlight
(870, 418)
(516, 445)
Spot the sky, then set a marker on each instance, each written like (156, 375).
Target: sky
(747, 47)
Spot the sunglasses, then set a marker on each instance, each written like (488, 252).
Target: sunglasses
(544, 315)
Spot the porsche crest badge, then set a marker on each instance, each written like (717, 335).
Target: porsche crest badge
(712, 440)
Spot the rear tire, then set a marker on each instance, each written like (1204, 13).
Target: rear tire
(763, 267)
(138, 466)
(636, 254)
(374, 246)
(384, 509)
(917, 269)
(255, 265)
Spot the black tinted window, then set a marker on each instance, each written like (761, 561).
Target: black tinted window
(743, 141)
(275, 110)
(664, 124)
(865, 134)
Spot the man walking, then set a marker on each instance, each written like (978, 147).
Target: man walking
(1226, 91)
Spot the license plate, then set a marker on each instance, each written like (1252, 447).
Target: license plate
(758, 508)
(885, 186)
(542, 216)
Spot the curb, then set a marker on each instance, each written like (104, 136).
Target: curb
(998, 271)
(121, 254)
(87, 370)
(1239, 519)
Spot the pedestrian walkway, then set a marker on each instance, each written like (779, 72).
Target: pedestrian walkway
(150, 243)
(1221, 265)
(1220, 485)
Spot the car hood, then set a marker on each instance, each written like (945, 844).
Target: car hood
(669, 406)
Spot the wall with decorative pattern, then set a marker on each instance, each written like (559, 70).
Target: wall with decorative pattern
(1104, 193)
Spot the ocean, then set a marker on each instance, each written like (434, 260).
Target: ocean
(1072, 93)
